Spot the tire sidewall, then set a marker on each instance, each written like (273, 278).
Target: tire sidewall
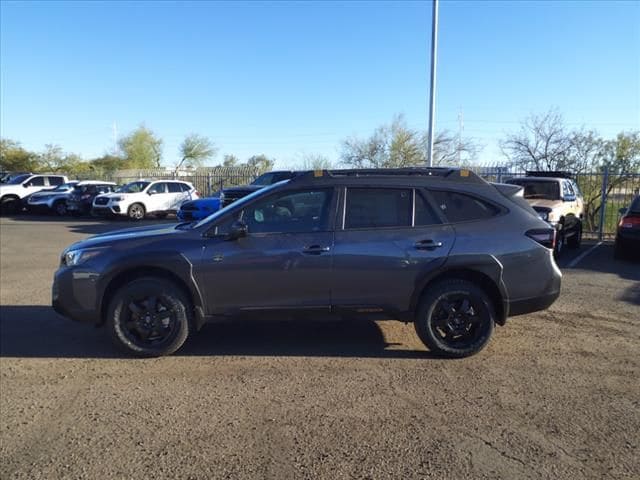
(424, 325)
(60, 211)
(141, 287)
(131, 209)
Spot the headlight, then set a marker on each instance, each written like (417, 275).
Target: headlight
(76, 257)
(117, 199)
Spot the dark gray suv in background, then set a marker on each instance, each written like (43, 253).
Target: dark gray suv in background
(439, 247)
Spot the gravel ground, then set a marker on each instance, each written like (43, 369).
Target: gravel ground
(555, 395)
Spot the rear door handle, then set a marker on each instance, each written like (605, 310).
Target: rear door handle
(315, 250)
(427, 245)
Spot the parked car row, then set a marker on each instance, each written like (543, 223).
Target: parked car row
(57, 194)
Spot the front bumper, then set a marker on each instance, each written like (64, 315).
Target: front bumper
(106, 210)
(73, 295)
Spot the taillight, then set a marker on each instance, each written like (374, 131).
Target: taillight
(544, 236)
(629, 222)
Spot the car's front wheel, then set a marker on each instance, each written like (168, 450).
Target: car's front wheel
(149, 317)
(136, 211)
(455, 318)
(60, 208)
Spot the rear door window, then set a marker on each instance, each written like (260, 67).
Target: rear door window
(460, 207)
(424, 214)
(175, 187)
(55, 181)
(378, 207)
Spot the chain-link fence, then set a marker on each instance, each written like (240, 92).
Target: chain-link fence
(208, 181)
(604, 193)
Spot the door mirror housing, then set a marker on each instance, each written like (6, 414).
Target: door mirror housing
(149, 192)
(26, 185)
(238, 230)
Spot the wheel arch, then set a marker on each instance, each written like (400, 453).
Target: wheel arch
(122, 277)
(486, 276)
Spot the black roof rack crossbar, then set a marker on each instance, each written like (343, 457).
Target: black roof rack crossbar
(549, 174)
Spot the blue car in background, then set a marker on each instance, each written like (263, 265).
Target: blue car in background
(203, 207)
(198, 209)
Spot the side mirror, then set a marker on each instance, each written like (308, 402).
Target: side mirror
(622, 211)
(149, 192)
(238, 230)
(26, 185)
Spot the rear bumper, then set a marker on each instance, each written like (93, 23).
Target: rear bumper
(530, 305)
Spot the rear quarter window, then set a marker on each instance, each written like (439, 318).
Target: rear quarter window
(460, 207)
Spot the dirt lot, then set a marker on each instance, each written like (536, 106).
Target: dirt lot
(555, 395)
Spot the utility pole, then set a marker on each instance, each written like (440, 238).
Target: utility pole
(115, 138)
(432, 90)
(460, 130)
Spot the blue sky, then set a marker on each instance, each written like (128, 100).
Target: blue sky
(291, 78)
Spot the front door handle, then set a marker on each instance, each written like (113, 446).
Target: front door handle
(315, 250)
(427, 245)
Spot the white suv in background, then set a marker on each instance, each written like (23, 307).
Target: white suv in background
(12, 193)
(138, 198)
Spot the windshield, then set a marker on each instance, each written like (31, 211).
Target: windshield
(18, 179)
(536, 189)
(214, 216)
(133, 187)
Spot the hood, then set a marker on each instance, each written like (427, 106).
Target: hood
(114, 194)
(139, 233)
(539, 202)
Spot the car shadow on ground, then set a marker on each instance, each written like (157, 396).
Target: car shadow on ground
(602, 260)
(94, 225)
(38, 332)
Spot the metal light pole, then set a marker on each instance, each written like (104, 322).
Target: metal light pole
(432, 90)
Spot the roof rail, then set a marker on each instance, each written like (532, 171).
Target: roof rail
(549, 174)
(442, 172)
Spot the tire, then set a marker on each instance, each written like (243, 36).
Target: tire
(444, 330)
(9, 205)
(138, 324)
(136, 212)
(560, 243)
(576, 240)
(60, 208)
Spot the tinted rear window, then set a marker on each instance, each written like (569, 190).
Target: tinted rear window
(635, 206)
(378, 207)
(425, 215)
(459, 207)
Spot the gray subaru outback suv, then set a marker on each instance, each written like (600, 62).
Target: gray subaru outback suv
(439, 247)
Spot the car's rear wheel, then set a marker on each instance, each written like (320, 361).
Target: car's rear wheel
(455, 318)
(560, 242)
(149, 317)
(576, 239)
(136, 211)
(60, 208)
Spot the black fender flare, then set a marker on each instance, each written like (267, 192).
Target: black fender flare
(172, 265)
(463, 265)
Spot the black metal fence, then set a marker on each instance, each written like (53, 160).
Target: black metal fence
(604, 193)
(208, 181)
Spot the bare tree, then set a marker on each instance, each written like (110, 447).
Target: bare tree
(397, 145)
(542, 143)
(313, 161)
